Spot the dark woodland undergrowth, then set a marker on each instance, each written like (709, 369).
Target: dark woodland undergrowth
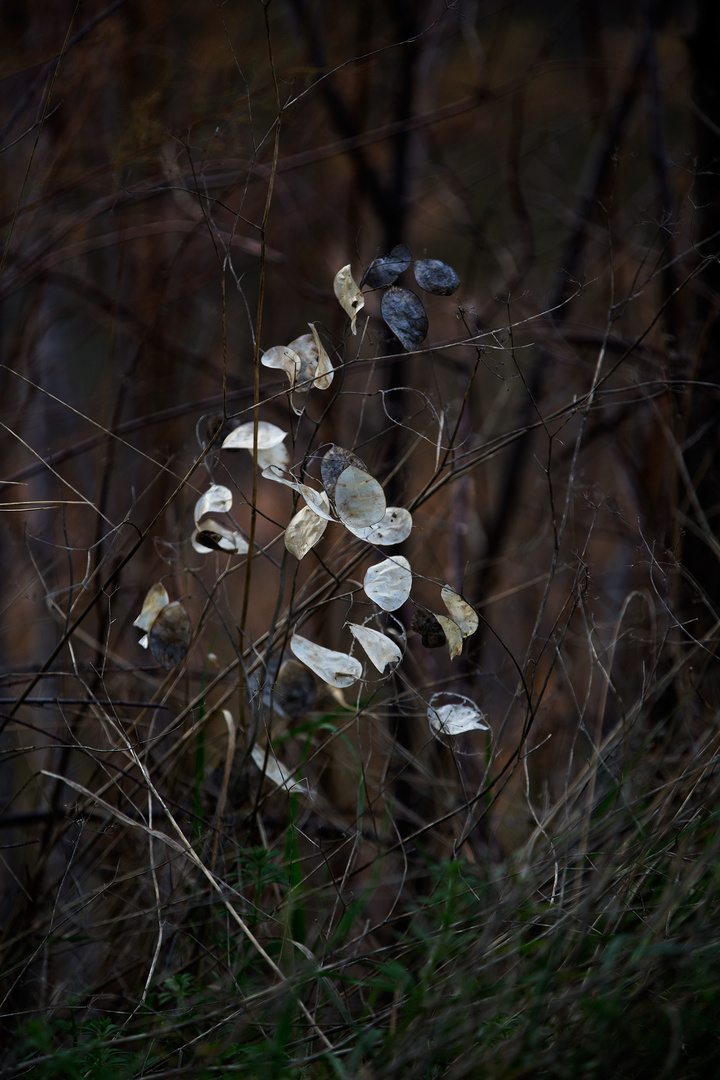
(360, 422)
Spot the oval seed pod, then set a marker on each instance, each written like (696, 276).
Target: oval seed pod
(458, 715)
(387, 268)
(405, 314)
(336, 668)
(388, 583)
(379, 648)
(304, 530)
(212, 535)
(170, 634)
(359, 499)
(348, 295)
(216, 500)
(294, 689)
(155, 600)
(336, 460)
(452, 633)
(437, 277)
(432, 634)
(460, 611)
(395, 527)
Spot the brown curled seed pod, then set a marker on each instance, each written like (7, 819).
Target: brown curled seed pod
(431, 632)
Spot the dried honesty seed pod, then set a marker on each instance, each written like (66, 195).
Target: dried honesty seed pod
(350, 298)
(305, 529)
(305, 347)
(388, 583)
(270, 447)
(170, 634)
(460, 611)
(216, 500)
(336, 668)
(242, 436)
(212, 535)
(294, 689)
(432, 634)
(452, 633)
(395, 527)
(284, 358)
(217, 425)
(436, 277)
(155, 600)
(458, 715)
(359, 499)
(386, 269)
(405, 314)
(324, 368)
(336, 460)
(380, 649)
(269, 765)
(316, 500)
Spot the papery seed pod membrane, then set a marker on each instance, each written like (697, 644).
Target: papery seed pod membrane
(216, 500)
(405, 314)
(452, 633)
(335, 461)
(284, 359)
(348, 295)
(155, 600)
(276, 455)
(336, 668)
(214, 536)
(395, 527)
(459, 714)
(170, 634)
(304, 530)
(388, 583)
(460, 611)
(384, 270)
(380, 649)
(316, 500)
(436, 277)
(305, 347)
(241, 438)
(359, 499)
(324, 370)
(276, 772)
